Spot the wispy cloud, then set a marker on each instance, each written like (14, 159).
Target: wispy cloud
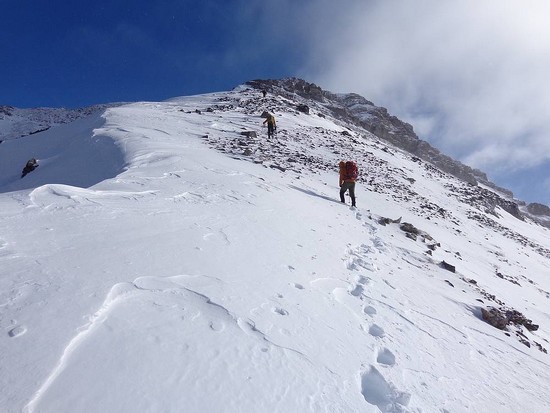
(471, 76)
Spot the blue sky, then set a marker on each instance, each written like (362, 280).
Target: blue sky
(80, 53)
(470, 76)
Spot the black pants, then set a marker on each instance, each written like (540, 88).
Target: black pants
(344, 188)
(270, 129)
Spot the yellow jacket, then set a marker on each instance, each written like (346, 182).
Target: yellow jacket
(270, 120)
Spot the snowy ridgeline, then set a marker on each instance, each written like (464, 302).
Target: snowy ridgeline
(16, 123)
(160, 260)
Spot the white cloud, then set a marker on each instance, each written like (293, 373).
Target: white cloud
(546, 185)
(472, 77)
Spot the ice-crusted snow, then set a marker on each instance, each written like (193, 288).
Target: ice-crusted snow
(142, 270)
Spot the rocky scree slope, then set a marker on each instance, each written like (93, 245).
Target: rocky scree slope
(353, 109)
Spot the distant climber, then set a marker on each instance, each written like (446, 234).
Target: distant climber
(264, 92)
(348, 176)
(31, 165)
(271, 126)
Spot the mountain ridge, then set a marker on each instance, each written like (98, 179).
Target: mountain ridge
(17, 123)
(380, 122)
(350, 108)
(357, 110)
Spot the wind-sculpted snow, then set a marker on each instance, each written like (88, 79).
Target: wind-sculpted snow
(215, 364)
(17, 123)
(64, 196)
(76, 154)
(215, 271)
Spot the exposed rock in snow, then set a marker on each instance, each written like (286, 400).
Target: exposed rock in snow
(538, 209)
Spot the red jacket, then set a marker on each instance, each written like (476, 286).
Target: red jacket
(343, 179)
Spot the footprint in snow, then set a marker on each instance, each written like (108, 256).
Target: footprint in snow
(357, 290)
(371, 228)
(386, 357)
(280, 311)
(376, 331)
(17, 331)
(298, 286)
(379, 245)
(378, 392)
(369, 310)
(358, 263)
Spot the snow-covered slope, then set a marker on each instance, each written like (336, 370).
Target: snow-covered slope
(159, 260)
(16, 122)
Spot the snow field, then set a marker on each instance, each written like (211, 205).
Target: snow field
(186, 279)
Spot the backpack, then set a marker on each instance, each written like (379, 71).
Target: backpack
(351, 171)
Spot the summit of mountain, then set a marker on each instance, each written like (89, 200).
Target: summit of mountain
(354, 109)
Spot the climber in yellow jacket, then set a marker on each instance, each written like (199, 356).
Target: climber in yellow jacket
(271, 126)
